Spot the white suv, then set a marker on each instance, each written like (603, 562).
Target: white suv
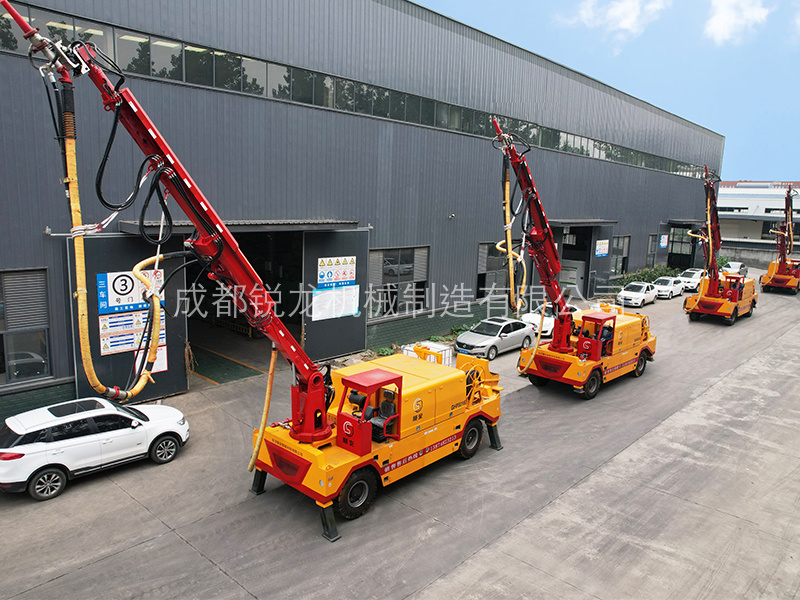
(40, 450)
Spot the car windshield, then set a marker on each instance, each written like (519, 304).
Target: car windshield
(7, 436)
(136, 414)
(728, 266)
(634, 287)
(690, 274)
(485, 328)
(538, 311)
(662, 281)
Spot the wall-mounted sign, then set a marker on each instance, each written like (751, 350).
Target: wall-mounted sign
(122, 292)
(334, 303)
(601, 249)
(336, 271)
(663, 241)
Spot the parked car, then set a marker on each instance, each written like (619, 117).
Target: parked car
(392, 266)
(690, 279)
(667, 287)
(637, 293)
(494, 335)
(737, 268)
(535, 316)
(42, 449)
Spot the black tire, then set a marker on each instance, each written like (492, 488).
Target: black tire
(752, 308)
(641, 365)
(670, 296)
(526, 343)
(795, 290)
(492, 354)
(538, 381)
(592, 386)
(47, 483)
(471, 440)
(732, 319)
(164, 449)
(357, 494)
(693, 316)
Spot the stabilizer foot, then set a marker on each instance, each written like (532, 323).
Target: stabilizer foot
(494, 436)
(329, 531)
(259, 480)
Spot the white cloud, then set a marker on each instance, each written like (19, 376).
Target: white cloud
(731, 19)
(623, 19)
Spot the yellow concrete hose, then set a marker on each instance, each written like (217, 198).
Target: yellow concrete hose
(257, 446)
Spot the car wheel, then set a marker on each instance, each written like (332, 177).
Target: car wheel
(732, 319)
(47, 483)
(641, 304)
(592, 386)
(669, 296)
(538, 381)
(526, 343)
(492, 353)
(164, 449)
(641, 364)
(471, 440)
(752, 308)
(357, 494)
(694, 316)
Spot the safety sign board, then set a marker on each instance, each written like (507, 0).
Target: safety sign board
(122, 292)
(123, 332)
(336, 271)
(334, 303)
(601, 248)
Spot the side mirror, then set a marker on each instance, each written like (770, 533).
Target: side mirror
(135, 424)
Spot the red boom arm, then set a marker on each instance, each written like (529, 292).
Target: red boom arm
(541, 246)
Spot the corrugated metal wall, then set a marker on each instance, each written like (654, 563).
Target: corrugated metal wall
(266, 159)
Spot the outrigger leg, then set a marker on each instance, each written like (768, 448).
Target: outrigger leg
(259, 480)
(329, 531)
(494, 436)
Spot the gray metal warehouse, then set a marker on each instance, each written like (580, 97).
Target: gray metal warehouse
(328, 130)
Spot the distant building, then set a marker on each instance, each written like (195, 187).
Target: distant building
(749, 210)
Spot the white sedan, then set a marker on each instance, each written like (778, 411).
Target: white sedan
(690, 279)
(535, 317)
(667, 287)
(637, 293)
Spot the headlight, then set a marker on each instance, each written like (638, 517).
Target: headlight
(182, 421)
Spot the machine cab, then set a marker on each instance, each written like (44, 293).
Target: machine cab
(595, 335)
(369, 410)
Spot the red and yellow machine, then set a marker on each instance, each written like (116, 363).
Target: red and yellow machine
(364, 427)
(588, 349)
(726, 295)
(390, 417)
(783, 272)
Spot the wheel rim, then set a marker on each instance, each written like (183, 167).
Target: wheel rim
(48, 484)
(358, 494)
(166, 449)
(591, 386)
(472, 438)
(492, 353)
(640, 365)
(526, 343)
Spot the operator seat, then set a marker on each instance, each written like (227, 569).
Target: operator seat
(358, 399)
(386, 411)
(606, 338)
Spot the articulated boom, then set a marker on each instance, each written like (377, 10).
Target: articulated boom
(213, 244)
(541, 246)
(216, 246)
(785, 235)
(711, 237)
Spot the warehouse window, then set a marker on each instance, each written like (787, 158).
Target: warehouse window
(398, 281)
(171, 59)
(652, 248)
(24, 325)
(133, 51)
(679, 240)
(167, 59)
(492, 271)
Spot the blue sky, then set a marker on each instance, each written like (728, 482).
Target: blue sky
(728, 65)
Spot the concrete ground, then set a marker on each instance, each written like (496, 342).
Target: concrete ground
(682, 484)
